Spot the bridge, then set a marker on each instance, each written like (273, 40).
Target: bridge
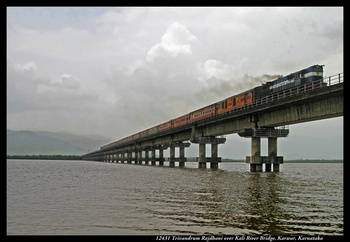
(264, 118)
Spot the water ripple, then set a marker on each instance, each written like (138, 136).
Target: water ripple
(79, 197)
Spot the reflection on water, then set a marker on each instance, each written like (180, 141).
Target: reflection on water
(98, 198)
(247, 204)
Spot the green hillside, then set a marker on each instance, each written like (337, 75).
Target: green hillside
(49, 143)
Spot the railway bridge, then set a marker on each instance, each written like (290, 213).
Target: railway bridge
(263, 118)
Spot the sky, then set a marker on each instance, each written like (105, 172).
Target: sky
(117, 71)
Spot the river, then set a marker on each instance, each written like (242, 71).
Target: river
(93, 198)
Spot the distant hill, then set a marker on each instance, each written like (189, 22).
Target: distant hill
(50, 143)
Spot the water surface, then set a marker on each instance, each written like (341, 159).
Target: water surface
(86, 198)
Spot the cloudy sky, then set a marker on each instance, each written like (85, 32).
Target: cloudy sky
(116, 71)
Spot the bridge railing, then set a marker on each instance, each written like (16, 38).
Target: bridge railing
(335, 79)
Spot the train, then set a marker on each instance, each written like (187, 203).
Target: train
(308, 75)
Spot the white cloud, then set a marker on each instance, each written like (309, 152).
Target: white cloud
(29, 67)
(214, 69)
(175, 41)
(68, 81)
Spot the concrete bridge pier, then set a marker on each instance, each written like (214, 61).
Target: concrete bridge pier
(135, 156)
(122, 157)
(172, 156)
(272, 152)
(214, 159)
(129, 157)
(273, 158)
(202, 161)
(161, 156)
(214, 156)
(153, 156)
(139, 157)
(182, 158)
(256, 161)
(146, 156)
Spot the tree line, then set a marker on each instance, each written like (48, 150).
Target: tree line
(45, 157)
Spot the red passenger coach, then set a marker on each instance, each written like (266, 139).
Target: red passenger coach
(166, 126)
(240, 100)
(153, 130)
(143, 133)
(243, 99)
(235, 102)
(249, 99)
(203, 113)
(181, 121)
(225, 106)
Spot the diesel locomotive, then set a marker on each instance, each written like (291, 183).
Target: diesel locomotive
(311, 74)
